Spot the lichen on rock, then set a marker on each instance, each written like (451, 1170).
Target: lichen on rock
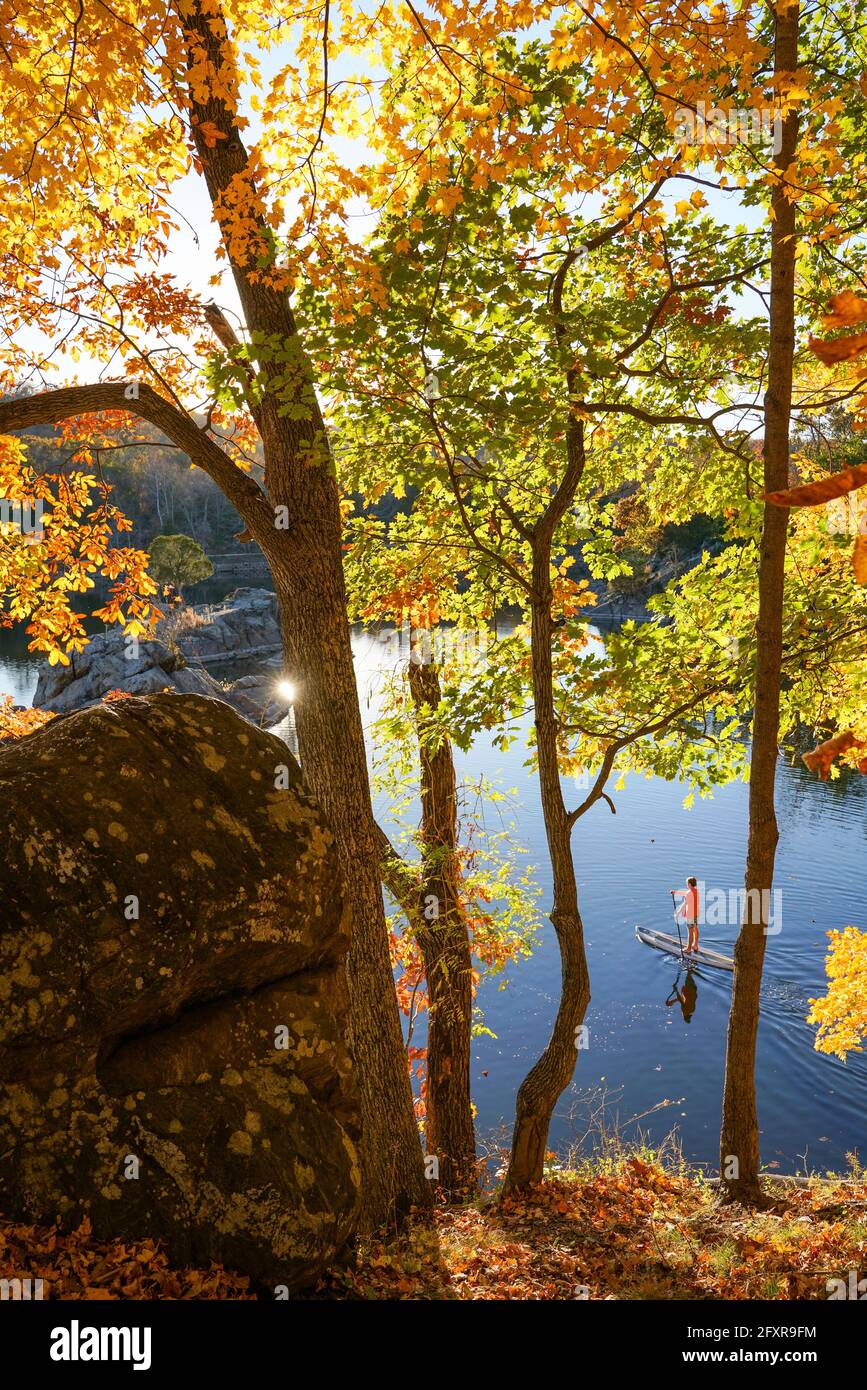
(172, 1054)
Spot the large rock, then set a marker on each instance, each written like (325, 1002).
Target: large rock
(172, 1001)
(245, 626)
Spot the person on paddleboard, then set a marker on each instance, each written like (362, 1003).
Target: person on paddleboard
(688, 912)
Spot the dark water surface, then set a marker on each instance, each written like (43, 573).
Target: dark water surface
(642, 1055)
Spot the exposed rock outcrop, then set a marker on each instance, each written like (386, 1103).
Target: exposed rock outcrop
(245, 626)
(172, 1001)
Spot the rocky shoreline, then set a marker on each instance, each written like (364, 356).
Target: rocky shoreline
(245, 626)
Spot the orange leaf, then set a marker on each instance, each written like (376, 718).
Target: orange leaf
(822, 490)
(859, 559)
(831, 350)
(821, 757)
(846, 308)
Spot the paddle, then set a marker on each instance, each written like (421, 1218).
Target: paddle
(676, 923)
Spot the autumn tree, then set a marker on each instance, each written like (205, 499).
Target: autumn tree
(814, 225)
(136, 96)
(536, 357)
(841, 1015)
(525, 251)
(531, 355)
(433, 902)
(139, 96)
(58, 535)
(467, 909)
(739, 1139)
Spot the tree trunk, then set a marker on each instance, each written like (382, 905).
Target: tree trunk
(309, 580)
(305, 562)
(739, 1140)
(545, 1083)
(300, 534)
(443, 940)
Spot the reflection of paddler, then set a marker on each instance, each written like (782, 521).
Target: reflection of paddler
(685, 996)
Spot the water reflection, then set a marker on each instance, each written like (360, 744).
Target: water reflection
(686, 995)
(287, 730)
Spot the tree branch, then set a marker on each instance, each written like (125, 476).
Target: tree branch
(397, 875)
(49, 407)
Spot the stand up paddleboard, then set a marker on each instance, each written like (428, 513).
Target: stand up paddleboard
(661, 942)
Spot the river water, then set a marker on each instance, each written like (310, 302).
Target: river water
(645, 1067)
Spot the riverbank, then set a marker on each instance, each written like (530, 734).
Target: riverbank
(633, 1228)
(629, 1227)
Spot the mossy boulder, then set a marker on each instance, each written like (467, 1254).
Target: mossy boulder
(172, 1001)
